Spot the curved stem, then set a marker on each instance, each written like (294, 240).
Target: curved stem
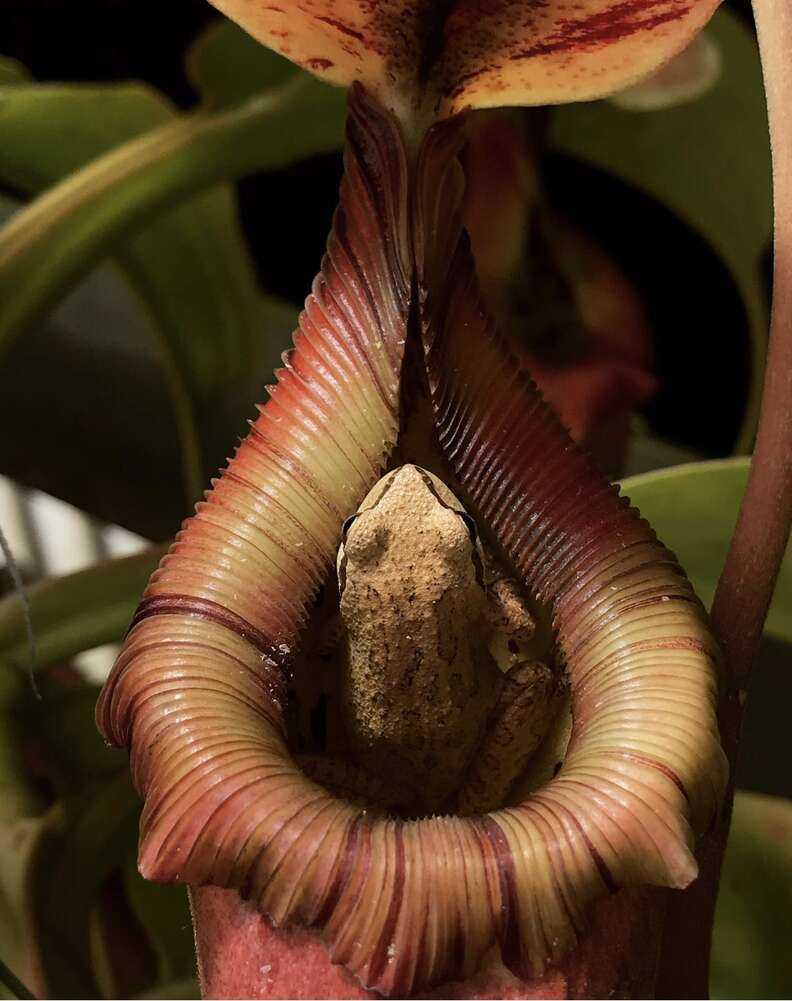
(749, 575)
(13, 984)
(760, 538)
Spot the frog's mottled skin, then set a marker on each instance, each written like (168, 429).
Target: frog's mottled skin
(421, 691)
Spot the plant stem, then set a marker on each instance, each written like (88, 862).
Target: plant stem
(13, 984)
(746, 585)
(760, 539)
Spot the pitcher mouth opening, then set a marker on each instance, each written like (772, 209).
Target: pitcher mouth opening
(416, 775)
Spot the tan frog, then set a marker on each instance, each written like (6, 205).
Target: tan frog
(439, 691)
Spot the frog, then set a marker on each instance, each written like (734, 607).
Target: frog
(441, 693)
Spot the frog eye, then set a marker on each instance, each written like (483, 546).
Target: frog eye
(470, 525)
(347, 524)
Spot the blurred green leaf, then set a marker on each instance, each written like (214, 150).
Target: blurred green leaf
(190, 266)
(694, 510)
(11, 71)
(72, 751)
(113, 449)
(164, 914)
(751, 957)
(226, 65)
(194, 288)
(89, 835)
(765, 745)
(75, 612)
(49, 131)
(181, 990)
(648, 451)
(123, 934)
(53, 240)
(13, 985)
(709, 161)
(17, 794)
(17, 844)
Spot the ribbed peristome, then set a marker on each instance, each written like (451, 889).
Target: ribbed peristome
(198, 690)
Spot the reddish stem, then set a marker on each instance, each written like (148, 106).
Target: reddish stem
(746, 585)
(760, 538)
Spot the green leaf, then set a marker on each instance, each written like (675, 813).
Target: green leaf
(753, 923)
(709, 161)
(89, 836)
(64, 231)
(648, 452)
(115, 933)
(49, 130)
(72, 751)
(164, 914)
(97, 363)
(12, 71)
(226, 65)
(99, 927)
(17, 843)
(181, 990)
(763, 764)
(189, 267)
(18, 795)
(694, 510)
(76, 612)
(191, 285)
(112, 449)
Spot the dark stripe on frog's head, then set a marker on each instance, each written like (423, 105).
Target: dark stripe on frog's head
(386, 482)
(470, 524)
